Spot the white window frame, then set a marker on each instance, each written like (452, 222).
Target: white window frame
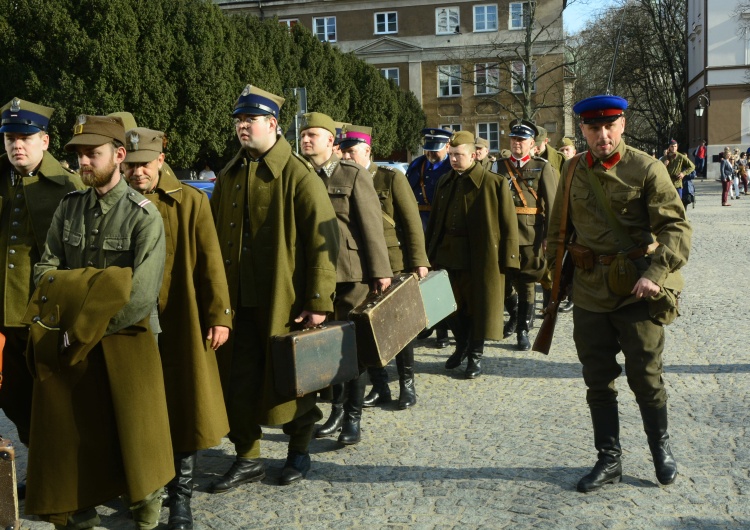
(484, 72)
(289, 22)
(326, 29)
(451, 73)
(490, 131)
(486, 18)
(387, 73)
(521, 11)
(455, 127)
(515, 85)
(449, 27)
(386, 22)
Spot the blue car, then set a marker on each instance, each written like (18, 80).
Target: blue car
(206, 186)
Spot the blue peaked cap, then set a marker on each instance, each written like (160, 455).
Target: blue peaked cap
(603, 107)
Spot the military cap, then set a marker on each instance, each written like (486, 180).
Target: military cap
(673, 142)
(356, 134)
(482, 142)
(257, 102)
(566, 142)
(128, 121)
(339, 135)
(462, 138)
(143, 145)
(603, 108)
(318, 119)
(541, 135)
(523, 129)
(96, 130)
(23, 117)
(435, 139)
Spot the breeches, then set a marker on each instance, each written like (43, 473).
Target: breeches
(599, 337)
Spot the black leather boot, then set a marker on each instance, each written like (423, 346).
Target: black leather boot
(511, 306)
(334, 421)
(525, 322)
(441, 336)
(379, 393)
(407, 396)
(608, 467)
(243, 470)
(180, 490)
(460, 326)
(474, 366)
(296, 467)
(655, 425)
(350, 429)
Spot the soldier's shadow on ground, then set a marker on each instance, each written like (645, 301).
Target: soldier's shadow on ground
(515, 367)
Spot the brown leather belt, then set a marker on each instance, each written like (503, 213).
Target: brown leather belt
(607, 259)
(526, 210)
(424, 207)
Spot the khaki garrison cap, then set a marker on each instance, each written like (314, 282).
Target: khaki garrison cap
(462, 138)
(143, 145)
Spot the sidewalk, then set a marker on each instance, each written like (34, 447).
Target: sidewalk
(506, 450)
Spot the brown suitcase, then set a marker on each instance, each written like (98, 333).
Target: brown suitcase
(312, 359)
(387, 322)
(8, 492)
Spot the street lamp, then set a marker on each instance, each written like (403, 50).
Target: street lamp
(700, 108)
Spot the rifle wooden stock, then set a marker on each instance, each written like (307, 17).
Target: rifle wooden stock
(543, 340)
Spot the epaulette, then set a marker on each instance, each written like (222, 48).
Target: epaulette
(304, 160)
(388, 168)
(139, 199)
(75, 192)
(68, 170)
(536, 157)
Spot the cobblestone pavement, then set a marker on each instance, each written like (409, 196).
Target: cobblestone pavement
(506, 450)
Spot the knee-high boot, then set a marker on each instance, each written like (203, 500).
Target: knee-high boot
(608, 467)
(525, 323)
(334, 421)
(407, 396)
(379, 393)
(474, 366)
(350, 429)
(180, 490)
(655, 425)
(511, 306)
(460, 325)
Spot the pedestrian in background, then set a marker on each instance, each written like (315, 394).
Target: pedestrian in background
(726, 173)
(742, 168)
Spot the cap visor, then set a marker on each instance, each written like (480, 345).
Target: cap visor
(19, 128)
(87, 139)
(434, 146)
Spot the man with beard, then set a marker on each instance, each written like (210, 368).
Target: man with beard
(533, 184)
(678, 166)
(423, 175)
(362, 265)
(279, 241)
(632, 238)
(473, 234)
(99, 423)
(32, 183)
(194, 313)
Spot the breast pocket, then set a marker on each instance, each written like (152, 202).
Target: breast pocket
(72, 236)
(339, 196)
(117, 251)
(626, 201)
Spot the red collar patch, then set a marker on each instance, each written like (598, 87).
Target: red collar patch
(606, 164)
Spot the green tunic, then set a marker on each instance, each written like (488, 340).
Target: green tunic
(679, 164)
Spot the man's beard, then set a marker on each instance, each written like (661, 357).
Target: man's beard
(98, 178)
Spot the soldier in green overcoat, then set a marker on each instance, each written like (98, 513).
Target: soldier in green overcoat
(100, 428)
(279, 241)
(194, 312)
(473, 234)
(546, 151)
(404, 237)
(32, 183)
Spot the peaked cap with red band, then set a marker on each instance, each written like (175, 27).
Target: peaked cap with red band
(600, 109)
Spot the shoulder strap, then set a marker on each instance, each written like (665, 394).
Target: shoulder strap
(421, 182)
(624, 239)
(562, 243)
(514, 180)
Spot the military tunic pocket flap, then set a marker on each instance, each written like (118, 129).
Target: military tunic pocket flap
(351, 243)
(336, 189)
(624, 197)
(72, 238)
(579, 192)
(118, 244)
(383, 194)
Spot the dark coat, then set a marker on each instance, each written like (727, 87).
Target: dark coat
(290, 261)
(99, 421)
(194, 296)
(493, 241)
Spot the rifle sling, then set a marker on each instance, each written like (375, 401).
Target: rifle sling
(562, 242)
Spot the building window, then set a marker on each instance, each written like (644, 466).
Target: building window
(486, 78)
(491, 133)
(485, 18)
(455, 127)
(447, 20)
(289, 22)
(325, 28)
(449, 80)
(390, 73)
(386, 23)
(520, 13)
(518, 77)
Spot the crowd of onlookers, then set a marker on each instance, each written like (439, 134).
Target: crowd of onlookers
(733, 174)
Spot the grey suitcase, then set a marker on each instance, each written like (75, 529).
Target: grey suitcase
(437, 296)
(388, 321)
(312, 359)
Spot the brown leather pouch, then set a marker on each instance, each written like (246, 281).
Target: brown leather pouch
(583, 257)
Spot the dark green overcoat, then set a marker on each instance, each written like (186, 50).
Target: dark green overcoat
(493, 241)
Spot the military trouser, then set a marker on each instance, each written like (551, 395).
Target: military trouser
(247, 393)
(17, 387)
(145, 515)
(599, 337)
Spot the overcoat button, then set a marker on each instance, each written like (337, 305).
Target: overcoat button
(37, 318)
(51, 279)
(44, 298)
(227, 311)
(11, 266)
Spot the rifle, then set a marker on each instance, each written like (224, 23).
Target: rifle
(564, 267)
